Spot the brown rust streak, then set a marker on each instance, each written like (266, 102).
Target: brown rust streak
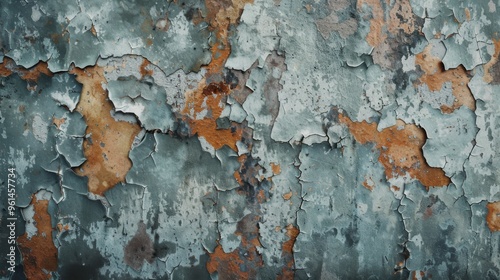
(435, 76)
(368, 184)
(39, 253)
(400, 149)
(143, 69)
(228, 265)
(287, 253)
(400, 17)
(211, 98)
(107, 151)
(31, 75)
(399, 21)
(493, 216)
(220, 16)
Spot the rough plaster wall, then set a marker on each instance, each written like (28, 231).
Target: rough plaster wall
(240, 139)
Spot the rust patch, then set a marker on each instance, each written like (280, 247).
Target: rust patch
(400, 18)
(492, 68)
(31, 75)
(220, 15)
(210, 101)
(435, 76)
(5, 70)
(243, 262)
(106, 164)
(400, 149)
(276, 168)
(143, 69)
(493, 216)
(398, 23)
(58, 122)
(288, 271)
(211, 96)
(93, 30)
(39, 253)
(369, 184)
(467, 14)
(287, 195)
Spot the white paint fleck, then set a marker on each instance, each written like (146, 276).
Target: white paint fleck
(40, 129)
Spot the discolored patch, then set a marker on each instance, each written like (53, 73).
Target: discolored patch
(394, 24)
(243, 262)
(38, 252)
(492, 68)
(493, 216)
(288, 271)
(204, 106)
(435, 77)
(31, 75)
(400, 149)
(139, 249)
(106, 164)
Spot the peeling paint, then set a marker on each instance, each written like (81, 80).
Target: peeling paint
(256, 139)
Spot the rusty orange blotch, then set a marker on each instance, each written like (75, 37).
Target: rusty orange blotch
(493, 216)
(287, 253)
(435, 76)
(31, 75)
(220, 15)
(400, 149)
(39, 253)
(228, 264)
(210, 97)
(107, 151)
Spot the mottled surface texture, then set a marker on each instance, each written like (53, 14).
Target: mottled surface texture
(251, 139)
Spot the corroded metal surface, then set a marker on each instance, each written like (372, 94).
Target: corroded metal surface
(235, 139)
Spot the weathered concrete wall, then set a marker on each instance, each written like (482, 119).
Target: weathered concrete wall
(240, 139)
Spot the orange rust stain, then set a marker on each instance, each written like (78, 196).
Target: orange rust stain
(400, 17)
(143, 68)
(61, 227)
(467, 14)
(488, 67)
(287, 195)
(376, 36)
(39, 253)
(30, 75)
(493, 216)
(93, 30)
(419, 276)
(107, 151)
(276, 168)
(288, 271)
(261, 196)
(211, 98)
(220, 16)
(58, 122)
(369, 184)
(5, 70)
(396, 189)
(400, 149)
(228, 264)
(435, 76)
